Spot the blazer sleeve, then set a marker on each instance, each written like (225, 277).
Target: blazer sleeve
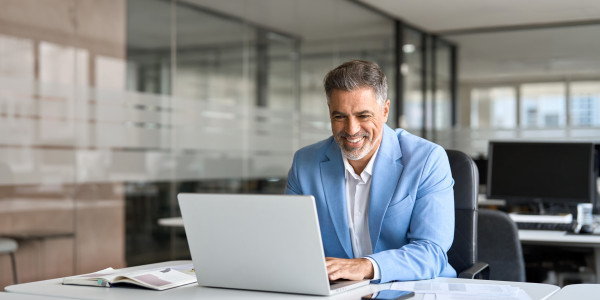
(293, 185)
(431, 229)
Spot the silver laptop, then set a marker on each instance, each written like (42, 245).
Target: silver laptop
(258, 242)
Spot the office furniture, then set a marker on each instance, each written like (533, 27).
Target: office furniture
(54, 288)
(463, 253)
(10, 246)
(498, 245)
(563, 239)
(577, 292)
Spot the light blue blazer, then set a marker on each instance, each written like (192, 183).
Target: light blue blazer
(411, 209)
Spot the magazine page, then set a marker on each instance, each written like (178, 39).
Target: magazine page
(99, 278)
(156, 278)
(162, 279)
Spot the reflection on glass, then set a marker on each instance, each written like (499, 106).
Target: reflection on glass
(443, 104)
(17, 57)
(543, 105)
(413, 97)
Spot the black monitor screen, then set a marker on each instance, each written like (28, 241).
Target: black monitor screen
(550, 172)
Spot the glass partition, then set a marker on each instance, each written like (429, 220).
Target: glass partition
(412, 70)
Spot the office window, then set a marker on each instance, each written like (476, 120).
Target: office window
(585, 104)
(494, 107)
(543, 105)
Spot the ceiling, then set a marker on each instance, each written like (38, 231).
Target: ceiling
(437, 15)
(511, 40)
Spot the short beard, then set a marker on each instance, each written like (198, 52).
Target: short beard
(354, 154)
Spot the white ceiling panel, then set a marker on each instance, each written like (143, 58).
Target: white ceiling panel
(437, 15)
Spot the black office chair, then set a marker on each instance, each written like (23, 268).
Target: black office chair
(463, 253)
(498, 245)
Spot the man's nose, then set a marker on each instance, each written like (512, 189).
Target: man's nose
(352, 126)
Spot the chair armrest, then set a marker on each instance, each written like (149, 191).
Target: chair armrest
(480, 270)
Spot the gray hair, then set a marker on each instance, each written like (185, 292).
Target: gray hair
(356, 74)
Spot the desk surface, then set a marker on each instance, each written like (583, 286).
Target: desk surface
(13, 296)
(53, 287)
(558, 238)
(577, 291)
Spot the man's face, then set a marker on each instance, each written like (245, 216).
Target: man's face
(357, 121)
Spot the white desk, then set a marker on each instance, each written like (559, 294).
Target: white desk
(578, 292)
(561, 238)
(53, 287)
(13, 296)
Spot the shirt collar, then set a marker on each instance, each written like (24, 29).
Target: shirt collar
(366, 173)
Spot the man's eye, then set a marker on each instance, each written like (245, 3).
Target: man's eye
(363, 116)
(338, 117)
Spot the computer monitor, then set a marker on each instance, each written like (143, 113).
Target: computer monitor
(537, 173)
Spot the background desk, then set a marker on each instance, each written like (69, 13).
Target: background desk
(561, 238)
(53, 287)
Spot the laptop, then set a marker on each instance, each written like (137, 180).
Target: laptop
(258, 242)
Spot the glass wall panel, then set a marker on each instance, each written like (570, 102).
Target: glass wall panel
(145, 163)
(585, 104)
(54, 188)
(543, 105)
(442, 102)
(494, 107)
(342, 31)
(412, 70)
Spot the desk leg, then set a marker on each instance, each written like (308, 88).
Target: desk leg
(597, 263)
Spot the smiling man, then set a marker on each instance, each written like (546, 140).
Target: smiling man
(384, 197)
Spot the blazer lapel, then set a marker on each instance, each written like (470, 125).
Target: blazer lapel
(386, 173)
(334, 185)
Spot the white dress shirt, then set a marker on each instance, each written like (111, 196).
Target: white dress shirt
(357, 202)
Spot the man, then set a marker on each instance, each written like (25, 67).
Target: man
(384, 197)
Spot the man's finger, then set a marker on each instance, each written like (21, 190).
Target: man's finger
(335, 275)
(332, 267)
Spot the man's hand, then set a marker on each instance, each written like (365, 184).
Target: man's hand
(353, 269)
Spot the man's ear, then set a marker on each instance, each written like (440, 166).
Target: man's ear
(386, 110)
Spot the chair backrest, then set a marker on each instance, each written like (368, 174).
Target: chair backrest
(463, 253)
(499, 246)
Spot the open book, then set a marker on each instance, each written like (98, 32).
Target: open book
(158, 279)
